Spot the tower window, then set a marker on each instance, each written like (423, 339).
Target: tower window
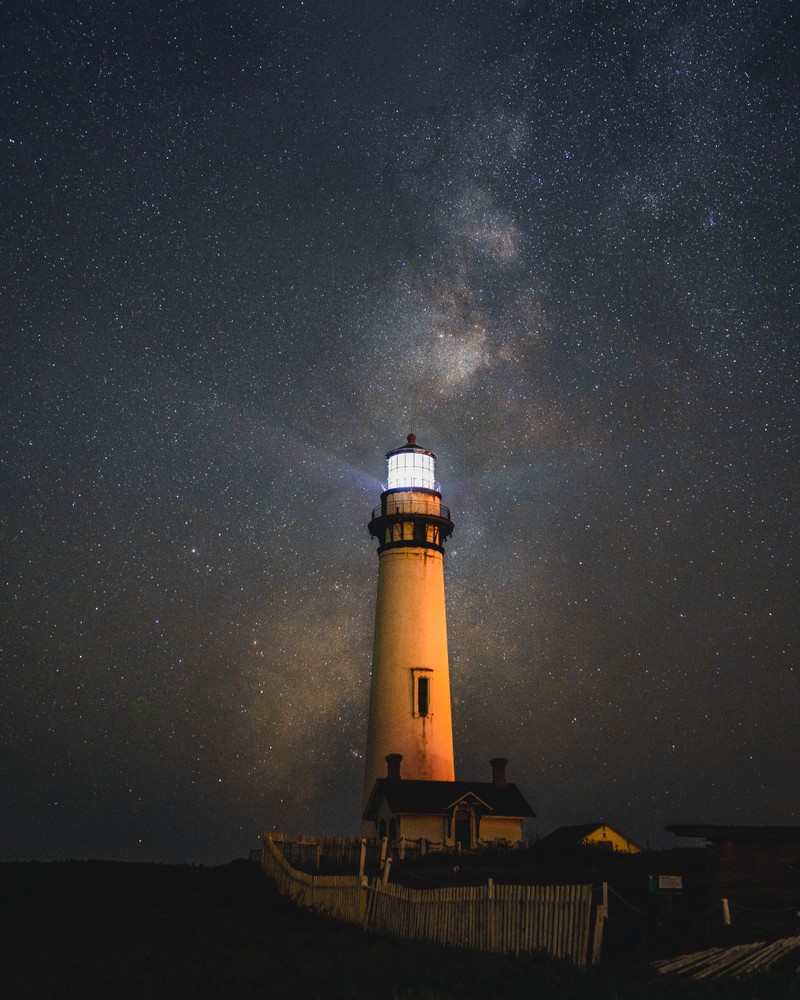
(423, 695)
(421, 692)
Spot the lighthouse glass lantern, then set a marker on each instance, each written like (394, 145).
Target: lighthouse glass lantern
(411, 468)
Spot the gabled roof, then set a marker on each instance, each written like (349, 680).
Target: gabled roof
(572, 836)
(469, 798)
(438, 798)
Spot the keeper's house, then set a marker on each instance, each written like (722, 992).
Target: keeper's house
(468, 814)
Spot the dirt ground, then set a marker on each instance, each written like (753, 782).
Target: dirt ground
(87, 929)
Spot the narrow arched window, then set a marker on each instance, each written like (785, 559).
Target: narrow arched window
(423, 695)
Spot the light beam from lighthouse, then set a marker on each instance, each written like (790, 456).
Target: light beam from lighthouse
(409, 709)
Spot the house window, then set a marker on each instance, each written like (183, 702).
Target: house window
(423, 695)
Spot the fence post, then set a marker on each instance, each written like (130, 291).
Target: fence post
(370, 891)
(490, 914)
(726, 912)
(601, 912)
(386, 869)
(362, 862)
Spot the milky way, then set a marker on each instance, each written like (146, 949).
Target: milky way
(246, 248)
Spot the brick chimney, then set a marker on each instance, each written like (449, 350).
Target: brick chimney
(393, 765)
(499, 771)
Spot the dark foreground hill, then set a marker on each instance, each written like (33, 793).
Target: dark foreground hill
(88, 929)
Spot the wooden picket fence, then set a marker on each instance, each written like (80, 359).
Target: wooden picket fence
(340, 896)
(510, 919)
(309, 852)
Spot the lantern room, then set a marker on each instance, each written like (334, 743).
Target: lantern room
(411, 468)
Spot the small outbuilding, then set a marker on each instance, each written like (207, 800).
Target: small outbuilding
(468, 814)
(760, 855)
(598, 834)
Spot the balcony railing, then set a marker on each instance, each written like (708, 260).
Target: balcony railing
(428, 508)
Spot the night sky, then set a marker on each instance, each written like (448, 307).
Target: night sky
(246, 247)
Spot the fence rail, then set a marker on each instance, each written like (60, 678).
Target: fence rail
(509, 919)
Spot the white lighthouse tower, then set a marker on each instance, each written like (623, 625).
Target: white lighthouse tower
(409, 709)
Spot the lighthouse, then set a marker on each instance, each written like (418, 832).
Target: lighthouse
(409, 709)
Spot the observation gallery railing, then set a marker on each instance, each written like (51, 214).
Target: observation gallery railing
(430, 508)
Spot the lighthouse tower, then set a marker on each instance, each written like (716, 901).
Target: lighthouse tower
(409, 709)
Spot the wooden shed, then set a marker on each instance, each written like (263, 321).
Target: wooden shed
(764, 855)
(599, 834)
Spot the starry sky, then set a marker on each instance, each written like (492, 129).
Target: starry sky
(246, 247)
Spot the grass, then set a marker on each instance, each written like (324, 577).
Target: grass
(90, 929)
